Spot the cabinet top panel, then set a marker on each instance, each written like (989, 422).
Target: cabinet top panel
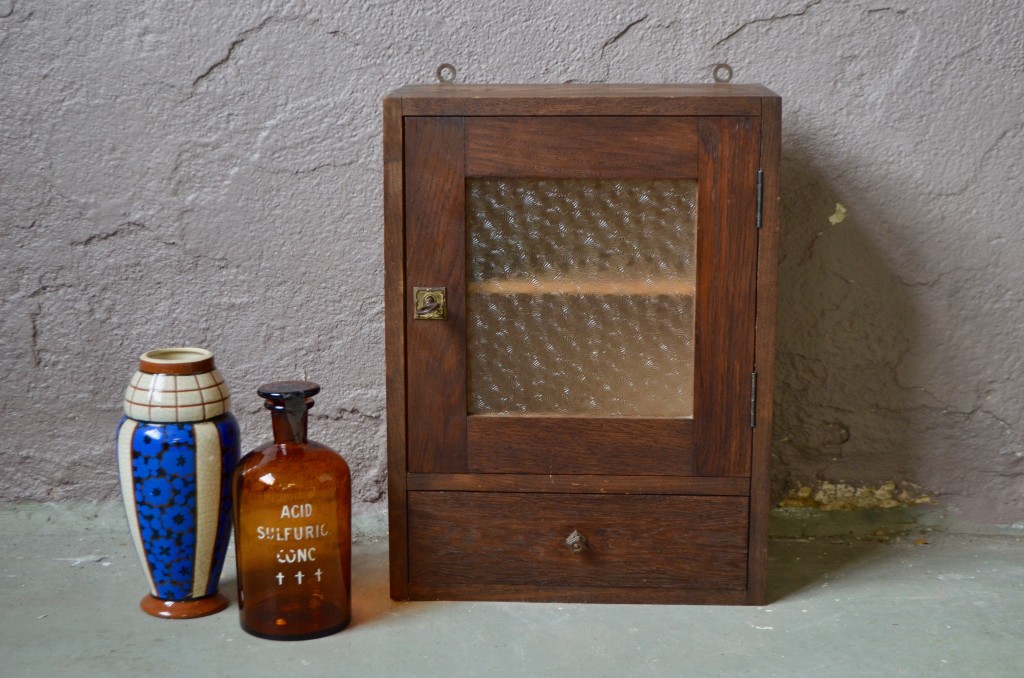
(598, 99)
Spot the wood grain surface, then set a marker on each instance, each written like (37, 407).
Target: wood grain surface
(675, 510)
(436, 257)
(726, 275)
(519, 539)
(586, 484)
(597, 100)
(394, 341)
(582, 147)
(625, 594)
(767, 285)
(572, 445)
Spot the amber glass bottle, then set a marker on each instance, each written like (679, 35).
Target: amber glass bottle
(293, 535)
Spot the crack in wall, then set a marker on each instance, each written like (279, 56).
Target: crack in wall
(605, 45)
(611, 41)
(239, 39)
(940, 276)
(938, 404)
(879, 10)
(45, 289)
(127, 228)
(981, 410)
(314, 169)
(33, 319)
(132, 227)
(810, 249)
(615, 38)
(980, 166)
(777, 17)
(8, 33)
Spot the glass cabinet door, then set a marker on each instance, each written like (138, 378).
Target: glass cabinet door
(597, 277)
(580, 296)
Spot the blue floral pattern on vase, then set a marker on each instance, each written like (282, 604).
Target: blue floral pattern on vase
(164, 480)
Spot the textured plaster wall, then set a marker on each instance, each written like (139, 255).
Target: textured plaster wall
(210, 174)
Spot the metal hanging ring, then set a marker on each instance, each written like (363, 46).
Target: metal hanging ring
(721, 73)
(445, 74)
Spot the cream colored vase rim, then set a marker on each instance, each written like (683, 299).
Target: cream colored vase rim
(176, 355)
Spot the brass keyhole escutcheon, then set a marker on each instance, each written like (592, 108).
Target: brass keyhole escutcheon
(430, 303)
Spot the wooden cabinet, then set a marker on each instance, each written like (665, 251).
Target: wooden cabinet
(580, 301)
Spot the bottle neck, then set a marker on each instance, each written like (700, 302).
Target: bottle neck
(290, 425)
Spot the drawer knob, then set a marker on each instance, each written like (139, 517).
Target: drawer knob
(576, 542)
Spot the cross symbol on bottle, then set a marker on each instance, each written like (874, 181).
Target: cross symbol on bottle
(318, 573)
(298, 577)
(280, 578)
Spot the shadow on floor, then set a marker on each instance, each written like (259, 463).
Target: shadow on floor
(371, 592)
(795, 565)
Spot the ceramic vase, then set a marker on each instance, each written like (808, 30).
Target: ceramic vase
(177, 448)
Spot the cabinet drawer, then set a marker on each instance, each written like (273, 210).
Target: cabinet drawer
(506, 542)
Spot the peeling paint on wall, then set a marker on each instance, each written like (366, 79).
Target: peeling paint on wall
(838, 216)
(843, 497)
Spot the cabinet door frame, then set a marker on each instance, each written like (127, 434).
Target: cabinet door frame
(721, 152)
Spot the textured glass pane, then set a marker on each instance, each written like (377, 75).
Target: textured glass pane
(580, 296)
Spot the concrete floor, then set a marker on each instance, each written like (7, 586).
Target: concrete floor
(953, 606)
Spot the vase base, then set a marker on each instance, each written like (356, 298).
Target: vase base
(183, 609)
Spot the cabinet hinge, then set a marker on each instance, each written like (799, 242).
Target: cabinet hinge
(760, 195)
(753, 399)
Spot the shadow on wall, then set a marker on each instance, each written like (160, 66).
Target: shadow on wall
(842, 422)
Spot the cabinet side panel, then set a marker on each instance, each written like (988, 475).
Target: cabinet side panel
(767, 284)
(727, 256)
(394, 344)
(436, 257)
